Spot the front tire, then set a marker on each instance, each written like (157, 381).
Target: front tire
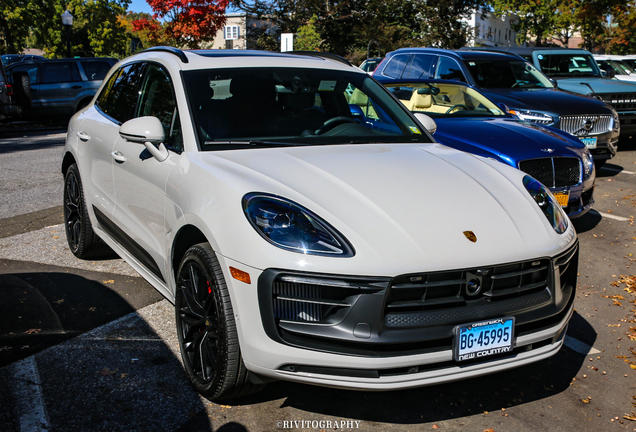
(82, 241)
(208, 339)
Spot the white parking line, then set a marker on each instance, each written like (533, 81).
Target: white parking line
(618, 218)
(27, 396)
(579, 347)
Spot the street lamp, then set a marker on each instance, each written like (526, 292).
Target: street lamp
(67, 21)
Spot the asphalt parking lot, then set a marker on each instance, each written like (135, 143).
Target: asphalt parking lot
(90, 346)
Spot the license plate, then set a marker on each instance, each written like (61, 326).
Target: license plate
(562, 197)
(589, 142)
(484, 338)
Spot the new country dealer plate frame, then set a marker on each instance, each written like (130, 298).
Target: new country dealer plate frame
(475, 340)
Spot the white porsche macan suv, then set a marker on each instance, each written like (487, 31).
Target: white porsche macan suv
(308, 228)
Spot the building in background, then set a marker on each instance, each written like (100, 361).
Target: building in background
(490, 30)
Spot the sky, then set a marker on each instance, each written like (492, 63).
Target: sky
(139, 6)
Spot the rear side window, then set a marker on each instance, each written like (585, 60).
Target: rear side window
(60, 73)
(449, 69)
(396, 65)
(118, 98)
(95, 70)
(420, 66)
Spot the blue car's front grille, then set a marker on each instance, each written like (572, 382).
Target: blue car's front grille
(553, 172)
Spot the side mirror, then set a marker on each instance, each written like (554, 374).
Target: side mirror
(428, 123)
(147, 131)
(356, 111)
(611, 73)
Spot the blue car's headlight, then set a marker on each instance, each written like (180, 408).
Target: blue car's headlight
(588, 163)
(547, 203)
(292, 227)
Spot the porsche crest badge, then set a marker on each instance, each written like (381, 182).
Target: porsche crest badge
(471, 236)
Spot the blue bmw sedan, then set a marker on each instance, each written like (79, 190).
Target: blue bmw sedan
(467, 120)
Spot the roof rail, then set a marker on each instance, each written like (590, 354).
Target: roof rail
(172, 50)
(325, 55)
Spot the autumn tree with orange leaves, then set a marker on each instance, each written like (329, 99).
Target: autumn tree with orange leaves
(187, 23)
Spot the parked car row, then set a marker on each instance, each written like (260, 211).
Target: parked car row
(58, 87)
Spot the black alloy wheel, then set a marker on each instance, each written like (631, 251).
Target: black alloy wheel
(206, 328)
(79, 232)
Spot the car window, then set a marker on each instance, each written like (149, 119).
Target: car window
(157, 99)
(396, 65)
(30, 69)
(60, 73)
(443, 100)
(118, 98)
(449, 69)
(299, 106)
(568, 65)
(506, 74)
(419, 67)
(95, 70)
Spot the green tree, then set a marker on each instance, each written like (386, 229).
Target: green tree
(536, 17)
(307, 38)
(96, 31)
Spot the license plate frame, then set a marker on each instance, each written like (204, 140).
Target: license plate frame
(590, 142)
(469, 334)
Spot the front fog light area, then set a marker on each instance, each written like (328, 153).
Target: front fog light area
(547, 203)
(289, 226)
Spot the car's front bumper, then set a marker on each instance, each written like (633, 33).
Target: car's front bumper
(361, 350)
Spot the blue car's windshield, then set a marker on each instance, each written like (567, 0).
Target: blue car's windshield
(294, 106)
(444, 100)
(506, 74)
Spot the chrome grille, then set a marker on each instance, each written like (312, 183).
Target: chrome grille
(553, 172)
(576, 125)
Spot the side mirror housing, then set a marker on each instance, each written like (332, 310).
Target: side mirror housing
(427, 122)
(147, 131)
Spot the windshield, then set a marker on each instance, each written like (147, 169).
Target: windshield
(568, 65)
(294, 106)
(506, 74)
(444, 100)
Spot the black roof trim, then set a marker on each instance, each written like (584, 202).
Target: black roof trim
(325, 55)
(176, 51)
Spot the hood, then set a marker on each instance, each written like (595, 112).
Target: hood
(401, 206)
(547, 100)
(507, 139)
(591, 85)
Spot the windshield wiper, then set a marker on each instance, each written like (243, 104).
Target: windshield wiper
(251, 143)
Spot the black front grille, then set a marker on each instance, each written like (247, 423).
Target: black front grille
(553, 172)
(446, 297)
(620, 101)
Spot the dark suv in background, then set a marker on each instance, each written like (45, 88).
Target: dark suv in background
(509, 80)
(61, 87)
(9, 104)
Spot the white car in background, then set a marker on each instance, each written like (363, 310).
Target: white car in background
(620, 69)
(308, 228)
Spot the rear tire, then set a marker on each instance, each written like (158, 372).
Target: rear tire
(22, 89)
(207, 333)
(82, 241)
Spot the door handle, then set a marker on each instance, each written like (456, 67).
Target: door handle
(76, 86)
(119, 157)
(83, 136)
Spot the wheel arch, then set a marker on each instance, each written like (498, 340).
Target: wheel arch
(187, 236)
(68, 160)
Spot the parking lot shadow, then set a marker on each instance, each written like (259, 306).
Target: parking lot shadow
(97, 366)
(440, 402)
(587, 222)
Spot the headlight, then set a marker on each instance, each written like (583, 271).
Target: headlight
(533, 117)
(588, 163)
(547, 203)
(292, 227)
(617, 120)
